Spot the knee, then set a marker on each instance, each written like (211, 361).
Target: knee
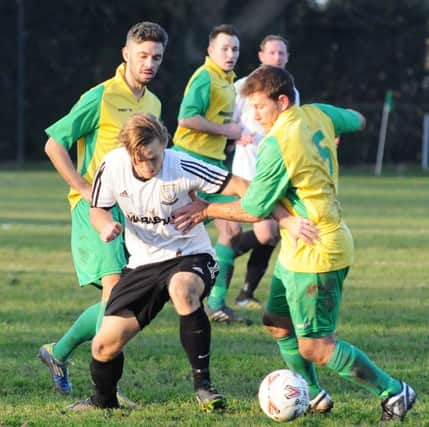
(179, 294)
(277, 326)
(185, 290)
(317, 350)
(229, 233)
(307, 352)
(265, 238)
(276, 332)
(103, 352)
(268, 234)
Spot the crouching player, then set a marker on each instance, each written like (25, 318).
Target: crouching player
(148, 181)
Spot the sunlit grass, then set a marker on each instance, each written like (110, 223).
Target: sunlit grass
(385, 312)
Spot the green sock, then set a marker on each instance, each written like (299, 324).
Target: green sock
(289, 350)
(354, 365)
(225, 258)
(100, 315)
(82, 330)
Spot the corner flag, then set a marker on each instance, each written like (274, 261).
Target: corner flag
(387, 108)
(388, 101)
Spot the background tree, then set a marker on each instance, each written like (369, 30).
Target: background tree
(348, 52)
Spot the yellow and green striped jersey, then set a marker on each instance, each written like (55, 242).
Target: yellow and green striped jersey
(95, 120)
(209, 93)
(297, 165)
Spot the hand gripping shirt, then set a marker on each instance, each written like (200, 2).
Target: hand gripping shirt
(95, 121)
(147, 204)
(209, 93)
(297, 165)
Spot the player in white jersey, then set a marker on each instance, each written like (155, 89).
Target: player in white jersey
(147, 204)
(148, 182)
(264, 236)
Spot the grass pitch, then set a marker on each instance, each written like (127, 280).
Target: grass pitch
(385, 311)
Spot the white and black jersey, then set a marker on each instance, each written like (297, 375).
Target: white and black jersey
(147, 204)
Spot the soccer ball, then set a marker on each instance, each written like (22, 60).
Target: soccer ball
(283, 395)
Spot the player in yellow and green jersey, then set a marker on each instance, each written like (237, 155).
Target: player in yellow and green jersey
(93, 124)
(205, 124)
(264, 235)
(297, 167)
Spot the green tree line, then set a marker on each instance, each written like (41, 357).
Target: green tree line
(344, 52)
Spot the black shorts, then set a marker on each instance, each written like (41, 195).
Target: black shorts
(144, 290)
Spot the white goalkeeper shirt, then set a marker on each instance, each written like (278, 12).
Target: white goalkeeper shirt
(147, 204)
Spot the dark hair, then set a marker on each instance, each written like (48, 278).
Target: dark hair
(272, 81)
(271, 37)
(139, 130)
(147, 31)
(223, 28)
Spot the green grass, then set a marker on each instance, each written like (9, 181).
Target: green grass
(385, 311)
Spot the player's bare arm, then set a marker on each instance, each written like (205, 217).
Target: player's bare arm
(199, 210)
(62, 162)
(192, 214)
(102, 221)
(199, 123)
(237, 186)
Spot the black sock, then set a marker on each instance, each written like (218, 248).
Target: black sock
(105, 376)
(256, 267)
(195, 335)
(245, 241)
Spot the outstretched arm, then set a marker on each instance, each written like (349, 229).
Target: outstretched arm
(199, 210)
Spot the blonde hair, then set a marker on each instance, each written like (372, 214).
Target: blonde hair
(142, 129)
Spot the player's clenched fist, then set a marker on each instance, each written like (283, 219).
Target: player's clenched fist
(110, 231)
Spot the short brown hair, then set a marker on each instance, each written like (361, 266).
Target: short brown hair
(141, 129)
(271, 37)
(223, 28)
(147, 31)
(272, 81)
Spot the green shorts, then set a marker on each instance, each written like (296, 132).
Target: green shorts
(92, 258)
(311, 300)
(211, 198)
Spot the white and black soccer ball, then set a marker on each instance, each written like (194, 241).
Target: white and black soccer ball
(283, 395)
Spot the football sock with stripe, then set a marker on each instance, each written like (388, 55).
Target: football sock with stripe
(82, 330)
(289, 350)
(105, 376)
(195, 335)
(225, 258)
(354, 365)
